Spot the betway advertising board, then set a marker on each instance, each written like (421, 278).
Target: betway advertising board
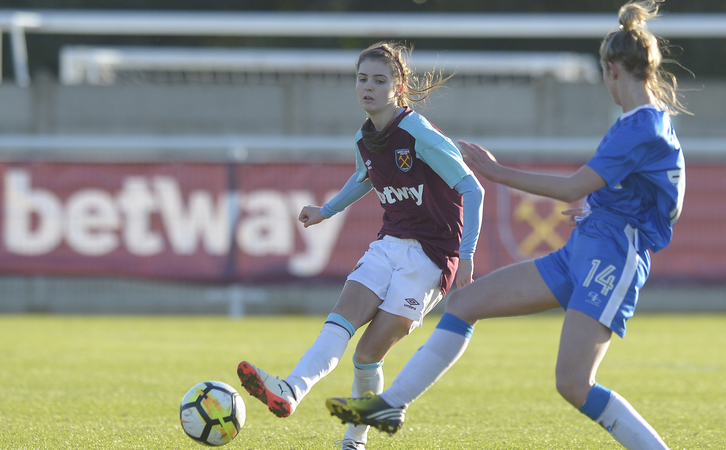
(221, 222)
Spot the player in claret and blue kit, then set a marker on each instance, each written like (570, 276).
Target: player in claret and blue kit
(432, 207)
(634, 188)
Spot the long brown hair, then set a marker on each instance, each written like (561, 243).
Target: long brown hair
(641, 53)
(415, 89)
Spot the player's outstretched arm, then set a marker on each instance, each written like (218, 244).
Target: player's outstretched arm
(565, 188)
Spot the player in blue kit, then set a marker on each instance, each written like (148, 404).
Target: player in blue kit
(432, 207)
(634, 188)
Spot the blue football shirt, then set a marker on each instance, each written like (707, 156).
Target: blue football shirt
(641, 160)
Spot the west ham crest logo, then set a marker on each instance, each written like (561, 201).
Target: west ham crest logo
(403, 159)
(530, 226)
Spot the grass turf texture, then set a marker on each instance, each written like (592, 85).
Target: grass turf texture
(94, 382)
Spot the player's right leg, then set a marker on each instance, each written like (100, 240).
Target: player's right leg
(273, 392)
(356, 306)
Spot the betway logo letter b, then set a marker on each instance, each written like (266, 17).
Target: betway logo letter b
(21, 203)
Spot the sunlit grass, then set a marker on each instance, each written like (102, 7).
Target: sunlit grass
(91, 382)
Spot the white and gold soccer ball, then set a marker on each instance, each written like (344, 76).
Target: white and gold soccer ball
(212, 413)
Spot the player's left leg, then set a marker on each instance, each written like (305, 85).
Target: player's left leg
(583, 345)
(366, 378)
(381, 335)
(356, 305)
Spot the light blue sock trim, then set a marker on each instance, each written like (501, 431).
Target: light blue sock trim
(597, 400)
(337, 319)
(369, 366)
(450, 322)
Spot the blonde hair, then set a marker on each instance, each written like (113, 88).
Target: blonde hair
(414, 89)
(641, 53)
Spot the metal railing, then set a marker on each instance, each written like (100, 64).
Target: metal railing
(267, 148)
(390, 25)
(100, 65)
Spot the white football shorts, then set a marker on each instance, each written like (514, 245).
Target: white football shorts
(402, 276)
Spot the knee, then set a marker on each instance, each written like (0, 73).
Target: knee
(573, 389)
(566, 390)
(363, 361)
(362, 357)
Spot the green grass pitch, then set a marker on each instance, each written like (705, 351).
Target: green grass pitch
(90, 382)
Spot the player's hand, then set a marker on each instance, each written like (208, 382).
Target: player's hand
(479, 159)
(575, 212)
(310, 215)
(465, 273)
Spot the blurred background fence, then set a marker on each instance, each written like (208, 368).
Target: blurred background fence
(169, 179)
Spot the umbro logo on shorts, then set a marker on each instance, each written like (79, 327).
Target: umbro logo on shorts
(411, 303)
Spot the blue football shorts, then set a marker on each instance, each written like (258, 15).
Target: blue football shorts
(599, 271)
(402, 276)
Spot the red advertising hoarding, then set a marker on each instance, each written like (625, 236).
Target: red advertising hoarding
(221, 222)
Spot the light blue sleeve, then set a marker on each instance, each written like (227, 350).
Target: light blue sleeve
(351, 192)
(439, 153)
(436, 150)
(473, 194)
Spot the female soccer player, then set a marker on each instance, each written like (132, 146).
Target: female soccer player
(432, 207)
(634, 186)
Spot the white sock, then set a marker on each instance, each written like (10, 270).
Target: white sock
(628, 427)
(426, 366)
(320, 359)
(364, 380)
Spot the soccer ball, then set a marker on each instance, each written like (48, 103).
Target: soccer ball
(212, 413)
